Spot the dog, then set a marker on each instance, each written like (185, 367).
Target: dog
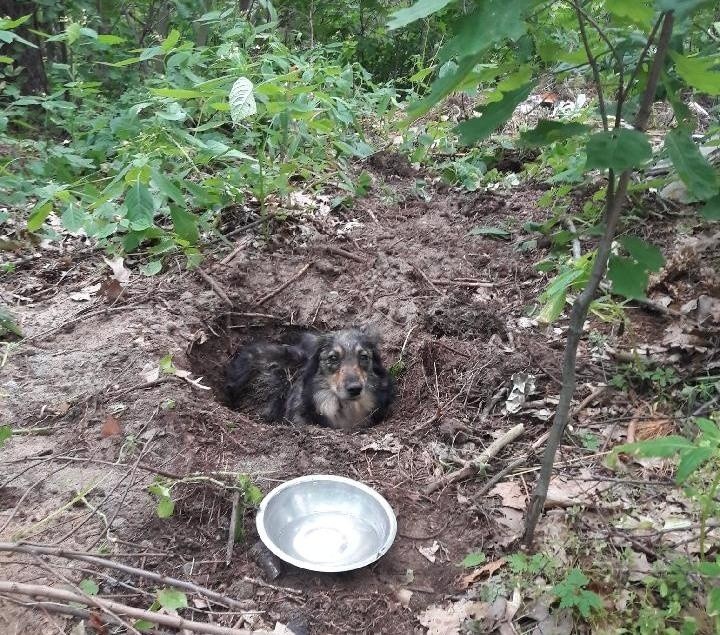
(336, 380)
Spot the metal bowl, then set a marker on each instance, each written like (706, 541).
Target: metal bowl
(326, 523)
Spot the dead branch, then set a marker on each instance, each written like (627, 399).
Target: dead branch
(267, 585)
(233, 527)
(422, 274)
(39, 590)
(473, 467)
(284, 285)
(219, 291)
(338, 251)
(109, 564)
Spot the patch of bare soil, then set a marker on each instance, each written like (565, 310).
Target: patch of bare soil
(455, 302)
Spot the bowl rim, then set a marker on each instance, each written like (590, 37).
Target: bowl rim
(325, 568)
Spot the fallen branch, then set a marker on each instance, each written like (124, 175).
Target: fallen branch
(473, 467)
(219, 291)
(39, 590)
(422, 274)
(109, 564)
(338, 251)
(233, 527)
(284, 285)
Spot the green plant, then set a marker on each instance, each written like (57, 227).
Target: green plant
(572, 594)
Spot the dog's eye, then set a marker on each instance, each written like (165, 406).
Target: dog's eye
(332, 358)
(364, 356)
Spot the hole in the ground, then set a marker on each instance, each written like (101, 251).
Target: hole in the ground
(225, 335)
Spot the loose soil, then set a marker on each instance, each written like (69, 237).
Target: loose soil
(457, 303)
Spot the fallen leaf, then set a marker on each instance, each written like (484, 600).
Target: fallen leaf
(120, 273)
(708, 308)
(429, 552)
(403, 596)
(111, 428)
(523, 387)
(568, 492)
(111, 289)
(389, 443)
(487, 569)
(510, 493)
(150, 372)
(445, 620)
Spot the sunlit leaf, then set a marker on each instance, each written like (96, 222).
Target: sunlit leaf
(242, 100)
(139, 206)
(109, 39)
(691, 460)
(618, 150)
(152, 268)
(662, 448)
(5, 434)
(172, 599)
(171, 40)
(474, 559)
(89, 586)
(692, 167)
(421, 9)
(637, 11)
(697, 71)
(38, 216)
(165, 508)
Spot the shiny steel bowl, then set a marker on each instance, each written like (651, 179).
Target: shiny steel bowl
(326, 523)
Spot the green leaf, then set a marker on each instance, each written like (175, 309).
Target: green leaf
(637, 11)
(166, 364)
(629, 278)
(662, 447)
(74, 218)
(711, 209)
(713, 602)
(708, 428)
(548, 131)
(493, 116)
(253, 494)
(8, 324)
(172, 599)
(421, 9)
(127, 62)
(5, 434)
(242, 100)
(38, 216)
(644, 253)
(691, 460)
(109, 39)
(72, 32)
(143, 625)
(693, 168)
(167, 187)
(697, 71)
(681, 8)
(165, 508)
(152, 268)
(474, 559)
(4, 59)
(618, 150)
(177, 93)
(490, 23)
(553, 308)
(171, 40)
(709, 568)
(89, 586)
(140, 207)
(11, 24)
(185, 223)
(492, 232)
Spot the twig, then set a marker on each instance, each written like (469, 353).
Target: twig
(109, 564)
(501, 475)
(284, 285)
(465, 283)
(421, 273)
(39, 590)
(473, 467)
(576, 249)
(233, 527)
(219, 291)
(589, 399)
(338, 251)
(267, 585)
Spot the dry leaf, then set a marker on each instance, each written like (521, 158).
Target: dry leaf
(487, 569)
(568, 492)
(389, 443)
(403, 596)
(429, 552)
(111, 428)
(120, 273)
(111, 289)
(511, 494)
(441, 620)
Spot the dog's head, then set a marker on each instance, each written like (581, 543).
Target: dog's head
(347, 361)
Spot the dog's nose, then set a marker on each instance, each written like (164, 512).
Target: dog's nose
(354, 388)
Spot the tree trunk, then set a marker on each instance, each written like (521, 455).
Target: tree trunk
(33, 79)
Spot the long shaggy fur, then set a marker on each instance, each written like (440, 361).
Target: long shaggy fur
(336, 380)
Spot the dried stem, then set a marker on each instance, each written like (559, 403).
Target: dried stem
(615, 198)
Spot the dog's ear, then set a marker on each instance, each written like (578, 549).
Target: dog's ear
(371, 334)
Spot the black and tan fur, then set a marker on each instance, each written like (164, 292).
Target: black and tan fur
(336, 380)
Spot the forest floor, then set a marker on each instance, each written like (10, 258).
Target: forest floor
(95, 421)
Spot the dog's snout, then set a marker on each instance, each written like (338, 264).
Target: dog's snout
(353, 388)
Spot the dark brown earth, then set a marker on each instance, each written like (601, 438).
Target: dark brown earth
(414, 272)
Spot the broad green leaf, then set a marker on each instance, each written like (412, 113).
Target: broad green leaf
(662, 447)
(165, 508)
(242, 100)
(637, 11)
(697, 71)
(167, 366)
(74, 218)
(474, 559)
(109, 39)
(72, 32)
(492, 232)
(681, 8)
(553, 308)
(177, 93)
(140, 207)
(38, 215)
(5, 434)
(143, 625)
(711, 209)
(253, 494)
(4, 59)
(492, 22)
(89, 586)
(171, 40)
(691, 461)
(709, 568)
(443, 86)
(708, 428)
(493, 116)
(127, 62)
(152, 268)
(185, 224)
(693, 168)
(172, 599)
(618, 150)
(713, 602)
(646, 254)
(11, 24)
(628, 277)
(548, 131)
(421, 9)
(167, 187)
